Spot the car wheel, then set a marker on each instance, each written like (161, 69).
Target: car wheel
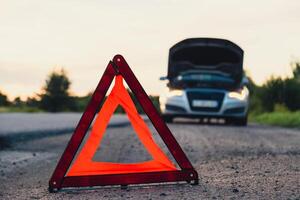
(167, 118)
(240, 121)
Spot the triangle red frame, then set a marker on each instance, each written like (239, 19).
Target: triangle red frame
(115, 67)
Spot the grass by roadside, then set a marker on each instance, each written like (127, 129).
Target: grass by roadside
(285, 119)
(9, 109)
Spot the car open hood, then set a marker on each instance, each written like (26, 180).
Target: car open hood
(207, 55)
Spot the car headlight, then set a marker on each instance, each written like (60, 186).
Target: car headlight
(239, 94)
(177, 93)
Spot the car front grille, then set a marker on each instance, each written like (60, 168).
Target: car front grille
(205, 95)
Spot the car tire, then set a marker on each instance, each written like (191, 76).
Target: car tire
(167, 118)
(240, 121)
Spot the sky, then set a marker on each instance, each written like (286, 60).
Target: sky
(37, 37)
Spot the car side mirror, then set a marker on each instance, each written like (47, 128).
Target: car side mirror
(245, 81)
(163, 78)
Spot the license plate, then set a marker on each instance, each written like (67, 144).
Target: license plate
(205, 103)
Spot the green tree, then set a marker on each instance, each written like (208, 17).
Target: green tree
(278, 91)
(292, 88)
(272, 92)
(292, 94)
(55, 96)
(296, 70)
(3, 99)
(82, 101)
(255, 105)
(32, 102)
(18, 102)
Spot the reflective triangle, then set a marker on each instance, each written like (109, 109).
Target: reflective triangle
(83, 165)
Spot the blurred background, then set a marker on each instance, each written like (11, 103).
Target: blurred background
(53, 53)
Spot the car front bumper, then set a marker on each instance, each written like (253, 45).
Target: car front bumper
(179, 106)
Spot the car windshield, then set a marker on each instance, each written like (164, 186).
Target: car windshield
(206, 80)
(209, 56)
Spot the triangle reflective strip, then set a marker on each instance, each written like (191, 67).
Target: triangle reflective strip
(83, 165)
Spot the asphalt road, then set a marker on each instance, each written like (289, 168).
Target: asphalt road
(254, 162)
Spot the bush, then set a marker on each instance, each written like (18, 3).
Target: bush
(277, 91)
(56, 95)
(280, 108)
(3, 100)
(292, 94)
(272, 93)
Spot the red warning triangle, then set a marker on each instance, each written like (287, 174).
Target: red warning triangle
(85, 172)
(84, 165)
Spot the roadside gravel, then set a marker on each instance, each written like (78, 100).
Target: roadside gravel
(254, 162)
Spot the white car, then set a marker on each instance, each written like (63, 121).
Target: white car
(205, 80)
